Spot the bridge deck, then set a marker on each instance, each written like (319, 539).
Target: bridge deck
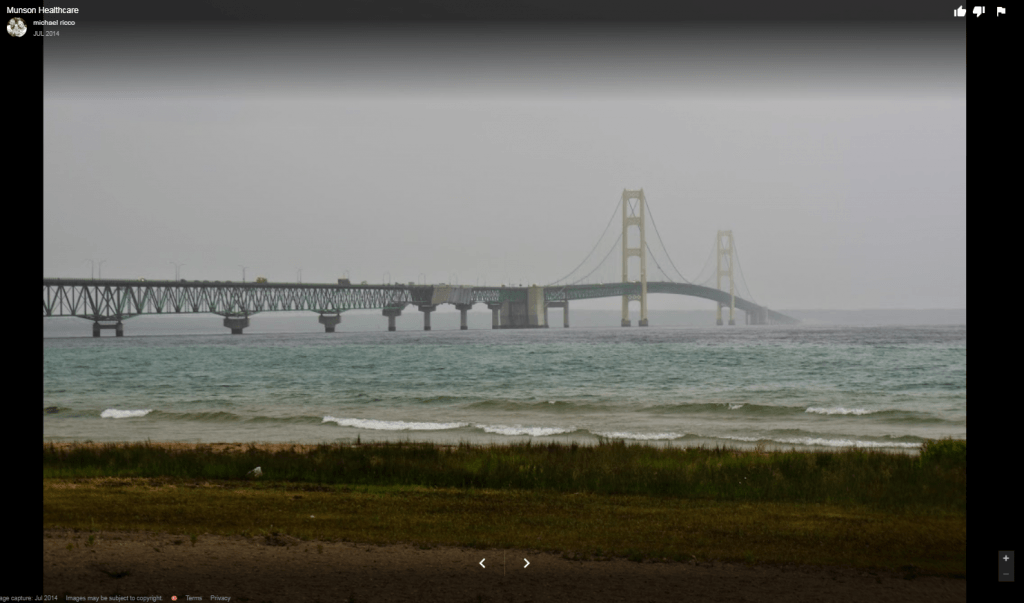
(113, 299)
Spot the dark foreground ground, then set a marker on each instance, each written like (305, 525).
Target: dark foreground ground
(281, 568)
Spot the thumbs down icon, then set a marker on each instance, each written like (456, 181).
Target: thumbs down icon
(978, 10)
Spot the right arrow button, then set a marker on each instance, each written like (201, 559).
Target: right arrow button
(527, 563)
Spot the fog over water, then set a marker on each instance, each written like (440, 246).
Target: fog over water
(493, 154)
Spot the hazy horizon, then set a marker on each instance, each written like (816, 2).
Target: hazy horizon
(497, 154)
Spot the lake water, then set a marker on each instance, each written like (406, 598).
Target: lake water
(817, 387)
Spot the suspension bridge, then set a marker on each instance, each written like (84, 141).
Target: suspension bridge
(108, 302)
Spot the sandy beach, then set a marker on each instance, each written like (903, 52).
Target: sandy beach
(281, 568)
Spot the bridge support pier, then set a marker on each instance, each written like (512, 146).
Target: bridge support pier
(536, 309)
(495, 315)
(118, 328)
(426, 316)
(329, 321)
(392, 314)
(236, 323)
(564, 305)
(463, 308)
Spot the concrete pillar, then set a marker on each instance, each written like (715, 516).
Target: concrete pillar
(643, 322)
(329, 321)
(514, 315)
(97, 327)
(718, 318)
(564, 305)
(495, 315)
(392, 314)
(463, 308)
(625, 322)
(426, 316)
(236, 323)
(536, 308)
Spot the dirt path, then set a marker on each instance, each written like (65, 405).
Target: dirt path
(286, 569)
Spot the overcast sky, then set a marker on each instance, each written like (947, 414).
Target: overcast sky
(486, 154)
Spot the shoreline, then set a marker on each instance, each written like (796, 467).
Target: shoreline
(301, 446)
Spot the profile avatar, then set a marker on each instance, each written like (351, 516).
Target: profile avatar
(16, 27)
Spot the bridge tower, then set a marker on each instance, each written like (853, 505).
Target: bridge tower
(633, 204)
(725, 257)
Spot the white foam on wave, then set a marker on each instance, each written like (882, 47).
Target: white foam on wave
(848, 443)
(735, 406)
(114, 413)
(625, 435)
(392, 425)
(514, 430)
(740, 438)
(839, 410)
(833, 443)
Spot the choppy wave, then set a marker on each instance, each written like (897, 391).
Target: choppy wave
(626, 435)
(839, 410)
(393, 425)
(685, 408)
(514, 430)
(845, 443)
(114, 413)
(541, 406)
(830, 442)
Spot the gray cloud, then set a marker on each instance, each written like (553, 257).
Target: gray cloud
(838, 158)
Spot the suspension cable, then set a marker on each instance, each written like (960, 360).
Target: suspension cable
(601, 263)
(706, 262)
(736, 250)
(660, 269)
(655, 224)
(592, 249)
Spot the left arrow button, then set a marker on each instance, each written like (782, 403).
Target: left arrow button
(482, 563)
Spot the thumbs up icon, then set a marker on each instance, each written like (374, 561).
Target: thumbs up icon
(978, 10)
(960, 11)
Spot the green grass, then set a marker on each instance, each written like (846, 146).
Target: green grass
(948, 452)
(858, 508)
(577, 525)
(934, 481)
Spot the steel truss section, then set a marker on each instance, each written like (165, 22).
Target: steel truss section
(109, 300)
